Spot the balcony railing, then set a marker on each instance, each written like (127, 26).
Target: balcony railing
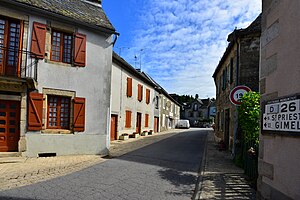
(18, 63)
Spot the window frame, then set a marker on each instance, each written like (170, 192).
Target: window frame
(58, 112)
(62, 46)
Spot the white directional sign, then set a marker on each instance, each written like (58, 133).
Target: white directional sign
(282, 115)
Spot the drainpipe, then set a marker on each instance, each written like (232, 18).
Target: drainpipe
(236, 107)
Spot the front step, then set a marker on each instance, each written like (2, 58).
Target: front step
(11, 157)
(9, 154)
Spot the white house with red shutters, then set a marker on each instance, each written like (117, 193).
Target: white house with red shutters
(55, 77)
(132, 108)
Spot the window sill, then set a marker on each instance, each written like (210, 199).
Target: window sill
(58, 63)
(56, 131)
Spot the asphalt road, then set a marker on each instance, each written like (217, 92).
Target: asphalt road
(164, 170)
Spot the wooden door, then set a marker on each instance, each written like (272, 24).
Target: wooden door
(113, 127)
(227, 124)
(155, 124)
(138, 122)
(9, 125)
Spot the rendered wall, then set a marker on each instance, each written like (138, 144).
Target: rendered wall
(279, 176)
(91, 82)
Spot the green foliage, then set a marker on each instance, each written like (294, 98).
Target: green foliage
(249, 112)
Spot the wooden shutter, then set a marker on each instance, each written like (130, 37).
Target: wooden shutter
(128, 119)
(79, 114)
(147, 96)
(38, 40)
(146, 120)
(79, 49)
(140, 92)
(35, 112)
(129, 87)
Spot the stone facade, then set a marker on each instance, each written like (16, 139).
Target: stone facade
(279, 156)
(238, 66)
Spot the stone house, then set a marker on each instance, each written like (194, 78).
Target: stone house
(55, 74)
(133, 99)
(198, 112)
(279, 145)
(238, 66)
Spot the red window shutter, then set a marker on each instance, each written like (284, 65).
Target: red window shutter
(146, 120)
(79, 114)
(35, 112)
(140, 92)
(38, 40)
(79, 50)
(129, 87)
(147, 96)
(128, 119)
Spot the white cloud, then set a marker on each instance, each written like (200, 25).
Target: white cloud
(183, 40)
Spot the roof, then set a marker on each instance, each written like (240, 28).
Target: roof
(254, 27)
(126, 66)
(161, 89)
(142, 75)
(87, 12)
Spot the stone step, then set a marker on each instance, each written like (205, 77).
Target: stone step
(9, 154)
(11, 157)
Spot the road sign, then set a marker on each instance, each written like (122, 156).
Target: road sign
(237, 93)
(282, 115)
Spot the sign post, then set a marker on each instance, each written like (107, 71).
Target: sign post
(237, 93)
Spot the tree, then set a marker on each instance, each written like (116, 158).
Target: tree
(197, 96)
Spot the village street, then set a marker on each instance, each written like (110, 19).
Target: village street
(166, 169)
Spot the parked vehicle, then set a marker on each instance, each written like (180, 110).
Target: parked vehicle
(183, 123)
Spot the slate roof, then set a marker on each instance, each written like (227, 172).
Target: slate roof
(77, 10)
(254, 27)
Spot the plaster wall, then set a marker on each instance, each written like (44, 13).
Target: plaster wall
(121, 103)
(91, 82)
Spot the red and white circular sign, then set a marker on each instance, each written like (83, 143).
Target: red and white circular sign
(237, 93)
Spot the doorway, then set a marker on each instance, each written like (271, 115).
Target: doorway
(227, 124)
(113, 127)
(9, 125)
(156, 120)
(138, 122)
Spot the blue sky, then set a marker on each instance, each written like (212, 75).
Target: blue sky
(178, 42)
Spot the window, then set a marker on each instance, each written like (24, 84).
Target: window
(129, 87)
(58, 112)
(128, 119)
(65, 47)
(224, 79)
(156, 102)
(231, 71)
(140, 92)
(147, 96)
(195, 107)
(146, 120)
(61, 47)
(10, 44)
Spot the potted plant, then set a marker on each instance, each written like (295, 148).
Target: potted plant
(144, 133)
(134, 135)
(124, 136)
(150, 132)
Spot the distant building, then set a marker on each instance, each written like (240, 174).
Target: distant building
(238, 66)
(279, 145)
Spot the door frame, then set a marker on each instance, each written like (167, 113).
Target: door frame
(138, 122)
(14, 145)
(227, 128)
(115, 128)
